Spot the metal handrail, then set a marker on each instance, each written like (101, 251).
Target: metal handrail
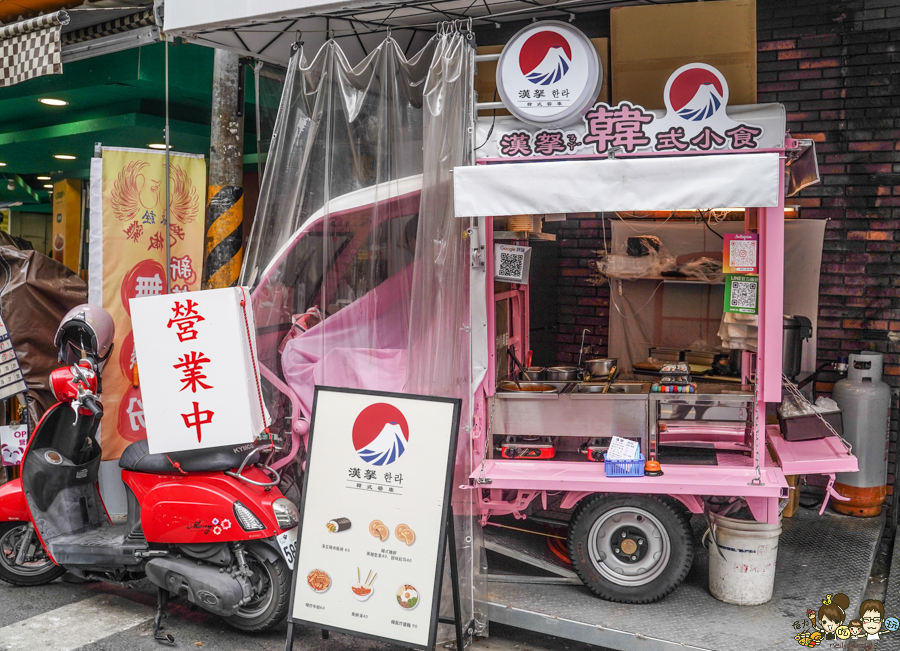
(263, 467)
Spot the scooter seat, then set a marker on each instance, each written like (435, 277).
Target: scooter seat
(137, 458)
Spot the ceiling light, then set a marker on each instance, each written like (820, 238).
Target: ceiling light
(49, 101)
(2, 164)
(63, 157)
(43, 178)
(10, 185)
(158, 145)
(47, 185)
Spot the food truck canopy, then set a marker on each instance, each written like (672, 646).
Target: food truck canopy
(659, 183)
(266, 29)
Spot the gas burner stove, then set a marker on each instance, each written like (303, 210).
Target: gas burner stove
(594, 449)
(528, 447)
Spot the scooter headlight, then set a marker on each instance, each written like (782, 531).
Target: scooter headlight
(286, 513)
(247, 520)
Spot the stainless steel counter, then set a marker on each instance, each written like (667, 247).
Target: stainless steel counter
(574, 413)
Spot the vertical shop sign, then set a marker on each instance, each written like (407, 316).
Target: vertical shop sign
(375, 503)
(199, 383)
(128, 260)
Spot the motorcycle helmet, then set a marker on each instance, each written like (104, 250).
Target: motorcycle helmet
(86, 331)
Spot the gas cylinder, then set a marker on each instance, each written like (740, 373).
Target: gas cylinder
(866, 403)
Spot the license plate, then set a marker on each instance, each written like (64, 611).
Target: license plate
(287, 542)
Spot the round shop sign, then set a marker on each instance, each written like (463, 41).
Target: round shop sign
(549, 74)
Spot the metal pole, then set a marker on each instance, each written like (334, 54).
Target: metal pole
(168, 189)
(260, 157)
(224, 220)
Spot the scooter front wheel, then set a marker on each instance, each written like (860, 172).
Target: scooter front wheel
(25, 566)
(271, 582)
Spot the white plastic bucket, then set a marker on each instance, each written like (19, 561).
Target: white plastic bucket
(746, 574)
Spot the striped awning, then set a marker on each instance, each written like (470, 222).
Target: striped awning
(110, 27)
(31, 48)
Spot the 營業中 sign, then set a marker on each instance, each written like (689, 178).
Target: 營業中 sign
(375, 500)
(197, 368)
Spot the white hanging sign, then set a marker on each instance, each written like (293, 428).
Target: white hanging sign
(549, 74)
(198, 373)
(375, 500)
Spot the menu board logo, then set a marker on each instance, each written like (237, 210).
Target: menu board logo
(380, 434)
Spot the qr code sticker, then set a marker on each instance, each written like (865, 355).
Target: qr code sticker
(511, 265)
(743, 295)
(742, 253)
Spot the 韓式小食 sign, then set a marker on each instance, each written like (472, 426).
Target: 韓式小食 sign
(375, 502)
(696, 120)
(198, 369)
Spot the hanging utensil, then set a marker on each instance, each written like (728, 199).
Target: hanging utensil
(612, 376)
(518, 364)
(581, 350)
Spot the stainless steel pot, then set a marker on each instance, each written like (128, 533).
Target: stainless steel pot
(600, 367)
(535, 373)
(561, 373)
(529, 387)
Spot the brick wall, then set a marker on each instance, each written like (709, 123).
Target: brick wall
(581, 303)
(836, 68)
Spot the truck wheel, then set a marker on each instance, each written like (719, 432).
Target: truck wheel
(37, 569)
(630, 548)
(271, 582)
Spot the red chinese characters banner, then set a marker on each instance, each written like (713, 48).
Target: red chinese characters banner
(199, 383)
(128, 260)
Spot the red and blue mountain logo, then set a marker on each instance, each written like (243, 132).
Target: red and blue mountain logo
(545, 58)
(697, 92)
(380, 434)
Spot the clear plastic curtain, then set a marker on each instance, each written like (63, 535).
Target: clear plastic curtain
(359, 269)
(440, 359)
(269, 86)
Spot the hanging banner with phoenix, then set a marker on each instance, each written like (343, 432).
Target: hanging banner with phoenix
(128, 260)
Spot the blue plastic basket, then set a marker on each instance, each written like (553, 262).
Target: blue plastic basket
(625, 467)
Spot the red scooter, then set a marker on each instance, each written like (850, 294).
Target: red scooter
(207, 525)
